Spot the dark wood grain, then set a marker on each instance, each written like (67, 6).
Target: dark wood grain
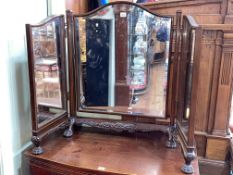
(77, 6)
(102, 153)
(72, 71)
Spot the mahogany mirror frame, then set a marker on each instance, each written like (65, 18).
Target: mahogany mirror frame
(129, 117)
(186, 83)
(38, 133)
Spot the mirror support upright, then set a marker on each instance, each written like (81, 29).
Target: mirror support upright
(72, 97)
(172, 130)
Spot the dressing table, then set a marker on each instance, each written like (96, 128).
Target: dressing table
(99, 152)
(119, 76)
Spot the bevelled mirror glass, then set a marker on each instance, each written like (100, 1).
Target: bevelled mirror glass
(122, 51)
(47, 68)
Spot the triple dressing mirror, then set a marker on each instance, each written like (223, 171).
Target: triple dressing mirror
(119, 68)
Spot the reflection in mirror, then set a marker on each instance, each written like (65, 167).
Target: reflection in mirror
(47, 72)
(123, 51)
(188, 86)
(187, 57)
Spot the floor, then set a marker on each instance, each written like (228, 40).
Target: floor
(154, 100)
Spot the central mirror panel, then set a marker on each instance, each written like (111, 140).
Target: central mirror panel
(122, 51)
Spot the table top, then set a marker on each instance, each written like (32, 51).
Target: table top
(114, 153)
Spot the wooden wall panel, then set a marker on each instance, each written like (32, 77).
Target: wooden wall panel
(201, 146)
(188, 7)
(216, 149)
(218, 11)
(202, 9)
(224, 89)
(81, 6)
(204, 83)
(230, 7)
(77, 6)
(214, 79)
(205, 18)
(229, 16)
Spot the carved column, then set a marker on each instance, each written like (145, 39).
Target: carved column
(229, 15)
(210, 124)
(223, 99)
(214, 78)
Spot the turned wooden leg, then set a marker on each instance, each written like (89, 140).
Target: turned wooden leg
(37, 149)
(171, 143)
(231, 168)
(69, 132)
(187, 167)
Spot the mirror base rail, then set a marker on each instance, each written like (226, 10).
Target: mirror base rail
(120, 126)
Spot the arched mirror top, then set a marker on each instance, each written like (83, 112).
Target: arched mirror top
(122, 53)
(118, 7)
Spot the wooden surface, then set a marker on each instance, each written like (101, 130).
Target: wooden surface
(216, 149)
(206, 11)
(99, 153)
(77, 6)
